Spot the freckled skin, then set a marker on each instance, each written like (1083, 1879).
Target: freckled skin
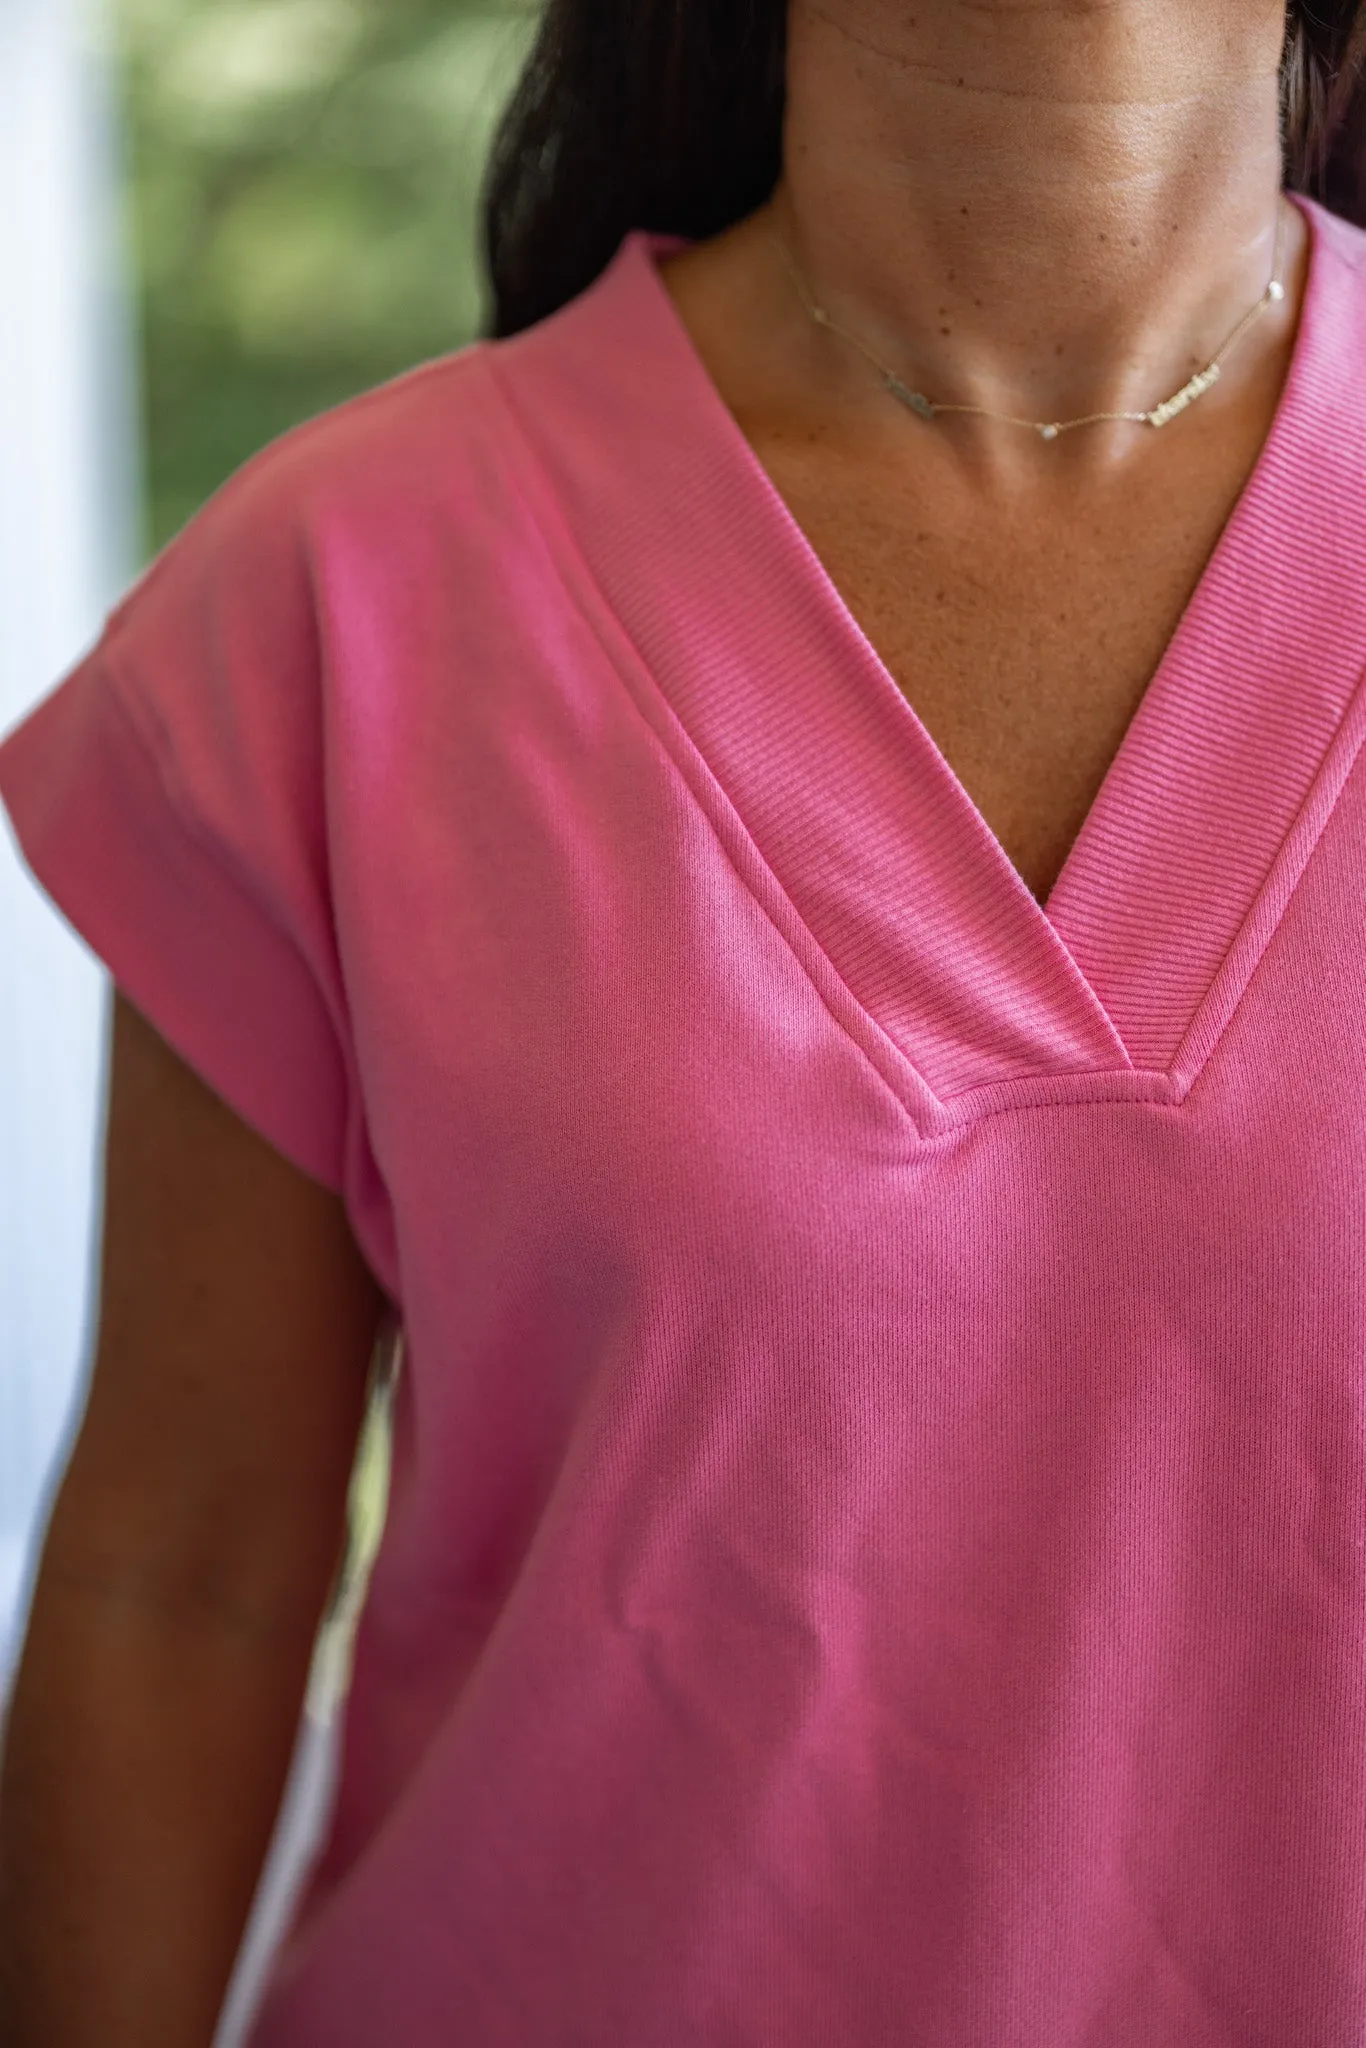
(1020, 594)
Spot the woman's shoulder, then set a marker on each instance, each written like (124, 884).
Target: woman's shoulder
(391, 453)
(441, 455)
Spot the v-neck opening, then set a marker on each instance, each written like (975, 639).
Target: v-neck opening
(847, 795)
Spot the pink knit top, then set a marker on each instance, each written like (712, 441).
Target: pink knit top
(877, 1555)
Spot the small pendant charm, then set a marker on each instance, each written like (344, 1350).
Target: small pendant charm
(1200, 382)
(1048, 433)
(914, 399)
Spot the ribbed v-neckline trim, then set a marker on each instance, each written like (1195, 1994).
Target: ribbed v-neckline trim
(1216, 797)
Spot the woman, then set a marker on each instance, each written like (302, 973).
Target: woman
(808, 944)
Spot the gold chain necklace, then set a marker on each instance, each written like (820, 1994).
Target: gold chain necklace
(929, 409)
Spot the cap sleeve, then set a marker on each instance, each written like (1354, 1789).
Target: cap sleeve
(169, 796)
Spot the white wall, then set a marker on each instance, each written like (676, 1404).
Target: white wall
(67, 547)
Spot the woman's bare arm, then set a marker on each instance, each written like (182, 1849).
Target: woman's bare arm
(188, 1560)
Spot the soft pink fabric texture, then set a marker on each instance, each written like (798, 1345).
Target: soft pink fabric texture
(878, 1544)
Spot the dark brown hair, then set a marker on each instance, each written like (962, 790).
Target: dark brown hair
(667, 115)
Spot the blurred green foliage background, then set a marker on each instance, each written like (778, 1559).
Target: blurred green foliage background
(304, 179)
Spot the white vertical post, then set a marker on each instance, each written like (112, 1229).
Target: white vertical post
(67, 546)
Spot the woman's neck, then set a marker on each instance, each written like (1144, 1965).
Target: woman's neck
(1045, 207)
